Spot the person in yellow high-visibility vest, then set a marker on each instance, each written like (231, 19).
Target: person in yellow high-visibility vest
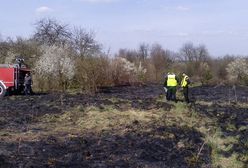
(171, 82)
(185, 85)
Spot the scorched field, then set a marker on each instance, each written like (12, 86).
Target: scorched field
(129, 126)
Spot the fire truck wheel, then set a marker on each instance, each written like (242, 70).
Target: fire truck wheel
(2, 90)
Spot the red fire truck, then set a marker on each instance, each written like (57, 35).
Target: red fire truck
(12, 78)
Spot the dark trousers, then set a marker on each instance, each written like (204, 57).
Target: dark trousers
(168, 95)
(27, 89)
(186, 94)
(171, 93)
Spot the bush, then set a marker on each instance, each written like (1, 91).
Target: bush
(126, 72)
(205, 73)
(238, 71)
(56, 67)
(93, 72)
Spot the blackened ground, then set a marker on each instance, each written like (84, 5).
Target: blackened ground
(229, 109)
(220, 93)
(134, 149)
(140, 146)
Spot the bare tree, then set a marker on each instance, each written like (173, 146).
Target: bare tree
(143, 51)
(160, 59)
(191, 53)
(188, 52)
(84, 42)
(130, 55)
(194, 57)
(202, 54)
(51, 32)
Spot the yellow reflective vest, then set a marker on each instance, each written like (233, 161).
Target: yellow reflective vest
(171, 81)
(184, 82)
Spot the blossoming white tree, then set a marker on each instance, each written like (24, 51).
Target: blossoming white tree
(124, 70)
(56, 63)
(238, 70)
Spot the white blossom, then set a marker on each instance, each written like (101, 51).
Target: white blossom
(237, 69)
(55, 61)
(130, 71)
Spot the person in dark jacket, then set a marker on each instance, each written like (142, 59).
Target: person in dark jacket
(28, 84)
(171, 82)
(185, 85)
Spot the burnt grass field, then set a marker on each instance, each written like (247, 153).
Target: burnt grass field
(128, 126)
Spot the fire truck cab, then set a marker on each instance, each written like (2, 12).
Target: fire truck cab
(12, 78)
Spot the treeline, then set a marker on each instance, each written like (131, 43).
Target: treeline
(65, 58)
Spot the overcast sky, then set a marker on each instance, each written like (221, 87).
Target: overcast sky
(219, 24)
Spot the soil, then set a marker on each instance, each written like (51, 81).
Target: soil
(140, 145)
(229, 111)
